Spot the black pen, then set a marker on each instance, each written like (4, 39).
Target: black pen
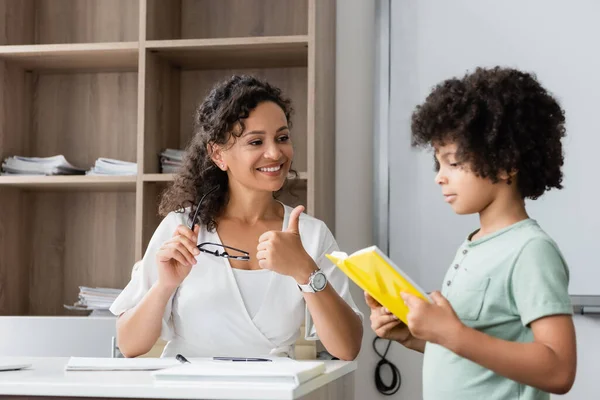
(181, 359)
(242, 359)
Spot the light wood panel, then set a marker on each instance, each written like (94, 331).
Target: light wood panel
(78, 239)
(151, 219)
(162, 103)
(15, 232)
(72, 183)
(85, 116)
(321, 115)
(86, 21)
(15, 101)
(240, 18)
(203, 19)
(16, 22)
(73, 57)
(260, 52)
(163, 20)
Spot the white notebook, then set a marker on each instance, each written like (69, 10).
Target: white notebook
(287, 372)
(119, 364)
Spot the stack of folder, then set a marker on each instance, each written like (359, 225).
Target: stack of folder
(171, 160)
(56, 165)
(109, 166)
(97, 300)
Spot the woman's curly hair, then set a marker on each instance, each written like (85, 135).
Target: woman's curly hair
(501, 119)
(220, 117)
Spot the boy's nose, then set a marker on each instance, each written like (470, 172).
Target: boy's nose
(440, 178)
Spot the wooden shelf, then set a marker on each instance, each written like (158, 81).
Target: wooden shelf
(251, 52)
(77, 182)
(162, 58)
(158, 177)
(120, 56)
(169, 177)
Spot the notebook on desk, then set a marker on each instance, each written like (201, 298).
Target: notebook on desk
(285, 372)
(119, 364)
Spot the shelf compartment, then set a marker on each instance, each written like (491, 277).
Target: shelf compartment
(108, 57)
(173, 95)
(204, 19)
(83, 116)
(27, 22)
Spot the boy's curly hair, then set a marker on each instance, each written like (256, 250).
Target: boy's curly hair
(220, 116)
(501, 119)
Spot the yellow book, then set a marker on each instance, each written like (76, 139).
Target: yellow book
(376, 274)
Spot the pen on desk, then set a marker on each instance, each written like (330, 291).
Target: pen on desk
(242, 359)
(181, 359)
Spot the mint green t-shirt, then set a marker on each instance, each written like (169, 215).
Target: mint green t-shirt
(498, 285)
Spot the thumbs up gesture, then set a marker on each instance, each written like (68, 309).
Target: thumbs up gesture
(282, 252)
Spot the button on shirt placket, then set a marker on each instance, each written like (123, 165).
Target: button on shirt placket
(455, 268)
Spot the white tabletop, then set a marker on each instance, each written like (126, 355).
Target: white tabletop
(47, 377)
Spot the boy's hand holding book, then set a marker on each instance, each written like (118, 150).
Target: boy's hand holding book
(434, 322)
(387, 326)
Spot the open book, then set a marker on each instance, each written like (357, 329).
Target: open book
(376, 274)
(277, 372)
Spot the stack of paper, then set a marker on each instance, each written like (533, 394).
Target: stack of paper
(95, 299)
(277, 372)
(109, 166)
(56, 165)
(171, 160)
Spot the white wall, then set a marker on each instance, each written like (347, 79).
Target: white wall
(354, 144)
(434, 40)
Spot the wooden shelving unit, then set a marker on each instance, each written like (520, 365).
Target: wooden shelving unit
(121, 79)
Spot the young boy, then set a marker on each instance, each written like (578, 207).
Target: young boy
(501, 328)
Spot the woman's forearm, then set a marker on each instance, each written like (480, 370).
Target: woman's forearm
(338, 326)
(138, 329)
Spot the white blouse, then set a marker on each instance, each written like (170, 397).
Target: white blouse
(253, 285)
(213, 314)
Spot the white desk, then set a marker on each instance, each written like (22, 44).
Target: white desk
(47, 378)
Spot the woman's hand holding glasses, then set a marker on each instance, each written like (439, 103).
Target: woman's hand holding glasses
(176, 256)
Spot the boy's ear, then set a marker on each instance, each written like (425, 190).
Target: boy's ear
(505, 176)
(216, 155)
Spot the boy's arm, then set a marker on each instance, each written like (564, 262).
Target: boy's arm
(548, 363)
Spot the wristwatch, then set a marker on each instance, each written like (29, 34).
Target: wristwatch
(317, 281)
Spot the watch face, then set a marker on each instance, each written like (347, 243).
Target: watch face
(319, 281)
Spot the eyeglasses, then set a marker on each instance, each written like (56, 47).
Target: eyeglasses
(209, 247)
(205, 248)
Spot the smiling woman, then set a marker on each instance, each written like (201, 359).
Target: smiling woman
(231, 271)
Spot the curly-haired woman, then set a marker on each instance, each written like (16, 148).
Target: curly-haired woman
(501, 328)
(230, 270)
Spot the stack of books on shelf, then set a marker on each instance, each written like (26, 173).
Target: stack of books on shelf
(56, 165)
(96, 300)
(109, 166)
(170, 161)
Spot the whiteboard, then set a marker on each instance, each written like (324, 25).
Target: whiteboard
(433, 40)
